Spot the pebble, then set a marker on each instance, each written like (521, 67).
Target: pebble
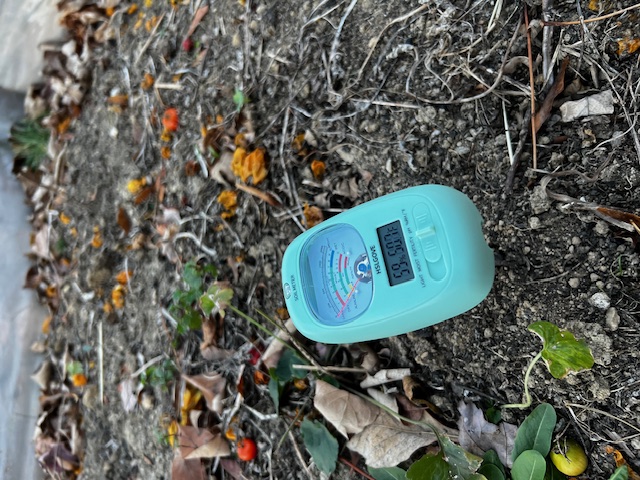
(534, 223)
(600, 300)
(612, 319)
(601, 228)
(574, 282)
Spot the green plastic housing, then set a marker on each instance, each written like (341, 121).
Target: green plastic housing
(398, 263)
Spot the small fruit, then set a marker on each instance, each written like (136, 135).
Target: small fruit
(569, 457)
(170, 119)
(187, 44)
(247, 449)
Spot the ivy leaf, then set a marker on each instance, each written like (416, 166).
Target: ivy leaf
(561, 351)
(429, 467)
(530, 465)
(388, 473)
(322, 446)
(536, 431)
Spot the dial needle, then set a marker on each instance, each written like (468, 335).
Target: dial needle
(353, 289)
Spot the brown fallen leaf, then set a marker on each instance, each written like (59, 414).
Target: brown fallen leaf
(190, 438)
(216, 447)
(183, 469)
(213, 387)
(379, 437)
(197, 18)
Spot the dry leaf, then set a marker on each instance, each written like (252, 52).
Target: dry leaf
(318, 168)
(128, 390)
(197, 18)
(190, 438)
(313, 215)
(216, 447)
(212, 386)
(182, 469)
(380, 438)
(598, 104)
(272, 354)
(265, 196)
(558, 87)
(124, 220)
(477, 435)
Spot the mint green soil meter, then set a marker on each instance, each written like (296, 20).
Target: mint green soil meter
(401, 262)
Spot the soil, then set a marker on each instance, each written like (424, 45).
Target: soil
(390, 95)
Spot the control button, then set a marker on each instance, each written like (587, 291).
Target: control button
(429, 241)
(422, 216)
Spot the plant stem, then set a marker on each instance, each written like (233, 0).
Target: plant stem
(258, 325)
(526, 403)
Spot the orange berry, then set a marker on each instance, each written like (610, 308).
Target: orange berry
(247, 449)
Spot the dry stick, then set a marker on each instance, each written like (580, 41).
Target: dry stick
(534, 131)
(524, 130)
(591, 20)
(296, 449)
(148, 42)
(547, 35)
(100, 364)
(336, 38)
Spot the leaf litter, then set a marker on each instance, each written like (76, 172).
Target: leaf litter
(166, 222)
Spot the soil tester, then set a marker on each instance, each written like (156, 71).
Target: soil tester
(404, 261)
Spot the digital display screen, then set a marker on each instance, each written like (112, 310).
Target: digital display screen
(395, 254)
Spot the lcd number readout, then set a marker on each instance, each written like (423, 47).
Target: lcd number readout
(395, 254)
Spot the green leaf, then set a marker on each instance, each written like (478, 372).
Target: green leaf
(561, 351)
(536, 431)
(493, 415)
(322, 446)
(74, 368)
(491, 458)
(192, 319)
(429, 467)
(462, 464)
(215, 297)
(388, 473)
(529, 465)
(553, 473)
(285, 370)
(239, 99)
(491, 472)
(192, 276)
(621, 473)
(275, 388)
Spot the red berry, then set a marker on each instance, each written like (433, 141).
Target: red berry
(247, 449)
(187, 44)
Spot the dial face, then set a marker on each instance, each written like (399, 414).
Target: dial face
(338, 282)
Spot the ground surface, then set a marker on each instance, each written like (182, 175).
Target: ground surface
(390, 95)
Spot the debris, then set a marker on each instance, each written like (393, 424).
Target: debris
(213, 387)
(598, 104)
(478, 436)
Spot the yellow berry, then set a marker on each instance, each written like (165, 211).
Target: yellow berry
(569, 457)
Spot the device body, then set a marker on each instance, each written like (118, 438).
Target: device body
(398, 263)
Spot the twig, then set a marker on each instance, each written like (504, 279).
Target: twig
(591, 20)
(313, 368)
(524, 130)
(507, 132)
(356, 468)
(148, 42)
(144, 367)
(547, 35)
(534, 131)
(336, 39)
(296, 449)
(209, 251)
(100, 364)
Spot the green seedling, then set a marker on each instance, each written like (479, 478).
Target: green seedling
(240, 99)
(159, 375)
(29, 140)
(561, 352)
(184, 302)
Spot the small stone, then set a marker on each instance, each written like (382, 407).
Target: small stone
(574, 282)
(601, 228)
(612, 319)
(534, 223)
(600, 300)
(147, 400)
